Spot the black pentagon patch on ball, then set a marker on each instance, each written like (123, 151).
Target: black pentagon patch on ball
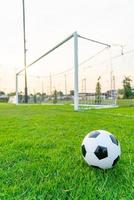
(83, 150)
(101, 152)
(115, 161)
(114, 139)
(94, 134)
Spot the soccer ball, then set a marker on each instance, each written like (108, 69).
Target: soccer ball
(101, 149)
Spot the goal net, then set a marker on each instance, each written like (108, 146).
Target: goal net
(77, 71)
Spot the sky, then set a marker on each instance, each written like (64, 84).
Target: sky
(48, 22)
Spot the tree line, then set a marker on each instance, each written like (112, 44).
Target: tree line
(126, 92)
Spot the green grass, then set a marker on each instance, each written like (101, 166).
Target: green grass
(40, 155)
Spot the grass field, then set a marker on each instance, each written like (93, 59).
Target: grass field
(40, 155)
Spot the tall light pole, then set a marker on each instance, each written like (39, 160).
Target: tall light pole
(25, 58)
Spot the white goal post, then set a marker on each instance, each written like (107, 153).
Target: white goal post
(75, 37)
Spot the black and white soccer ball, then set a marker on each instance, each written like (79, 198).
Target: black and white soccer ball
(101, 149)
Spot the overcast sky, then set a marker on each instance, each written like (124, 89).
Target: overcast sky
(50, 21)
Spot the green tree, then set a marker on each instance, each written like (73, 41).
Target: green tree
(60, 93)
(72, 92)
(11, 94)
(55, 96)
(98, 92)
(2, 93)
(127, 92)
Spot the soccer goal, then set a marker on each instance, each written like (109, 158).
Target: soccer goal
(77, 71)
